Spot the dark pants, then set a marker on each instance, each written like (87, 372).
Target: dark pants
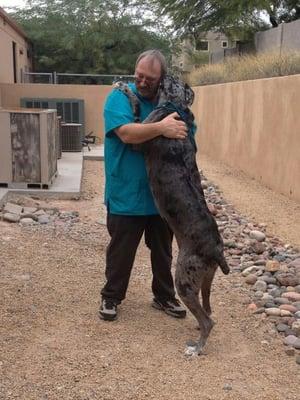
(126, 233)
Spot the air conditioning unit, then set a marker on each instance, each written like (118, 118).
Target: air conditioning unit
(58, 138)
(70, 110)
(71, 137)
(28, 152)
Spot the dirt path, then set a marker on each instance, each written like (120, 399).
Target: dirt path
(55, 347)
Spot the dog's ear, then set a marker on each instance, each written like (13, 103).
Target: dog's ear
(189, 94)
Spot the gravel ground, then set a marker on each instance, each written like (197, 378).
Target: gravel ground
(55, 347)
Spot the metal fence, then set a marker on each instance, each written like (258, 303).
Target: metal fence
(81, 79)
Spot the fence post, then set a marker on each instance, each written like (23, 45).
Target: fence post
(281, 38)
(54, 78)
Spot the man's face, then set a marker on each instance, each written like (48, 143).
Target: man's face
(147, 77)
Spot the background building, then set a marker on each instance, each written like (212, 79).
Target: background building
(15, 50)
(197, 50)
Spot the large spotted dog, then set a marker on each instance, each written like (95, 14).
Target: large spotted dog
(176, 185)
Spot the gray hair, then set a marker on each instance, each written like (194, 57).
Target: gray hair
(155, 55)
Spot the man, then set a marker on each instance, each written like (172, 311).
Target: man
(130, 206)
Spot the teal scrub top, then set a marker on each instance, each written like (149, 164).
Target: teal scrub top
(127, 190)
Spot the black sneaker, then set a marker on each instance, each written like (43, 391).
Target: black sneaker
(108, 310)
(171, 307)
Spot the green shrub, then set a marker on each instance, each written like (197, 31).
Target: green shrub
(247, 67)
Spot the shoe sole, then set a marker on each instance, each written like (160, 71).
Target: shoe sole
(167, 311)
(106, 317)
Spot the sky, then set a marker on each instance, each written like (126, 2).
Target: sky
(11, 3)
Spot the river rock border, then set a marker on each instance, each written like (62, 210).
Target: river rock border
(270, 269)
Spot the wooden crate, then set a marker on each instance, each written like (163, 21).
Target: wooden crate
(28, 149)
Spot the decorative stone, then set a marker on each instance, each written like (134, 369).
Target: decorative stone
(284, 268)
(297, 289)
(296, 327)
(260, 285)
(293, 296)
(40, 212)
(272, 266)
(290, 289)
(11, 217)
(281, 327)
(289, 332)
(267, 297)
(288, 320)
(270, 305)
(268, 279)
(275, 292)
(288, 307)
(287, 279)
(29, 215)
(257, 235)
(281, 300)
(260, 310)
(250, 270)
(260, 262)
(295, 263)
(252, 307)
(43, 219)
(213, 210)
(29, 210)
(258, 294)
(13, 208)
(258, 247)
(251, 279)
(290, 340)
(273, 312)
(26, 221)
(285, 313)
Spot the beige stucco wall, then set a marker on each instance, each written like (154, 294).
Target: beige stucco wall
(7, 36)
(254, 126)
(93, 96)
(285, 37)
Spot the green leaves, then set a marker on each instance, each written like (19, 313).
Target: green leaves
(231, 16)
(88, 36)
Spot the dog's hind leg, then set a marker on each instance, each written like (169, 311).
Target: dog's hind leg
(189, 279)
(206, 287)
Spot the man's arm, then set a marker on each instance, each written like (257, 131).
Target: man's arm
(135, 133)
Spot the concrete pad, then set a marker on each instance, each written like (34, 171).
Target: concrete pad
(67, 184)
(96, 153)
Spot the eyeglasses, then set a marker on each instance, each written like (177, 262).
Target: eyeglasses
(148, 81)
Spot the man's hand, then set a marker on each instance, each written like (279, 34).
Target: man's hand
(172, 127)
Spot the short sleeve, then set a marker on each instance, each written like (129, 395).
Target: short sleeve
(117, 111)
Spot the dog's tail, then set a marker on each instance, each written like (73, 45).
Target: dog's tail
(223, 264)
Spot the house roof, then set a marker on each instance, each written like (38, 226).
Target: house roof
(13, 24)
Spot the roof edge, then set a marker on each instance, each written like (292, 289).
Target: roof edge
(13, 24)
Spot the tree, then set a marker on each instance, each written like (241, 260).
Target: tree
(87, 36)
(192, 16)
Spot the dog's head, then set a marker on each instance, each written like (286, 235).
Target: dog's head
(175, 91)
